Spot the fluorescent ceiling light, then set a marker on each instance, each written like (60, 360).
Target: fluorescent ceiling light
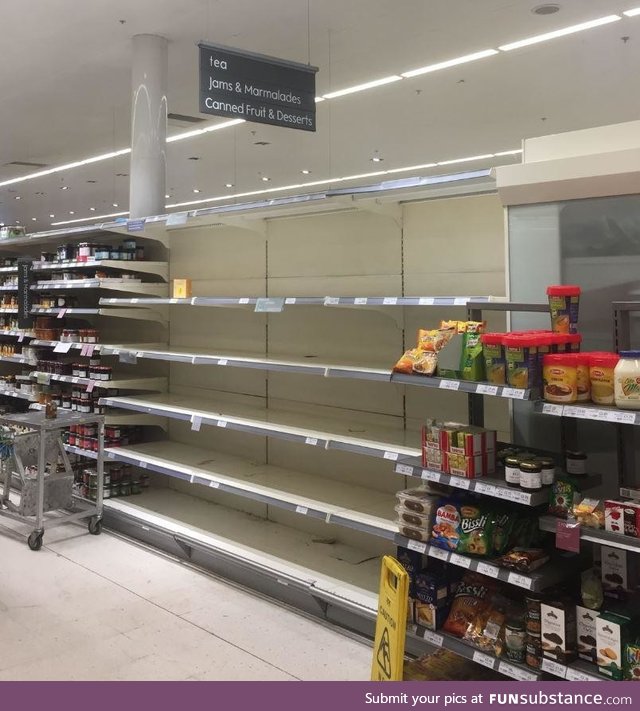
(450, 63)
(85, 219)
(318, 99)
(412, 167)
(66, 166)
(508, 153)
(362, 87)
(632, 13)
(560, 33)
(466, 160)
(206, 129)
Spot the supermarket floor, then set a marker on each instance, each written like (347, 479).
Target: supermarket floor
(102, 608)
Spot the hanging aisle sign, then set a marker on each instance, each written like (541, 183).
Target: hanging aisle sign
(257, 88)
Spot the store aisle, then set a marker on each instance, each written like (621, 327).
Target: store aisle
(100, 608)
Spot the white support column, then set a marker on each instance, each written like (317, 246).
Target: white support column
(148, 126)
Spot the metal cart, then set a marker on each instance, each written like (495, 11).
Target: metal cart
(37, 450)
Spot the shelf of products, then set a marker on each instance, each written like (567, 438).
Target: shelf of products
(331, 501)
(160, 269)
(595, 535)
(467, 651)
(486, 486)
(550, 574)
(117, 383)
(590, 412)
(128, 285)
(293, 426)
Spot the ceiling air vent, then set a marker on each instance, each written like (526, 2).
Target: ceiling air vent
(27, 164)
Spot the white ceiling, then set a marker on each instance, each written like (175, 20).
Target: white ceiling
(65, 86)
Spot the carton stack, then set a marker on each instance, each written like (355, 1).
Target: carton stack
(459, 450)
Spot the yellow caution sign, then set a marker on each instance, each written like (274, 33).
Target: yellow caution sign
(391, 626)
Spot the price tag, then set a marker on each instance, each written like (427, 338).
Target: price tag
(484, 659)
(438, 553)
(513, 393)
(290, 300)
(390, 301)
(515, 672)
(90, 386)
(577, 675)
(134, 301)
(460, 560)
(222, 423)
(313, 441)
(61, 313)
(460, 301)
(449, 385)
(418, 546)
(554, 668)
(486, 569)
(549, 409)
(522, 581)
(486, 489)
(143, 465)
(432, 638)
(392, 456)
(62, 347)
(487, 389)
(360, 301)
(111, 455)
(173, 301)
(91, 348)
(214, 484)
(269, 305)
(192, 479)
(404, 469)
(521, 497)
(459, 482)
(426, 301)
(331, 300)
(568, 536)
(430, 476)
(570, 411)
(302, 510)
(196, 422)
(244, 300)
(21, 338)
(222, 361)
(626, 418)
(128, 357)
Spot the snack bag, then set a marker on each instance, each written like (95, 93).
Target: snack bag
(476, 530)
(435, 339)
(589, 513)
(563, 493)
(472, 600)
(523, 559)
(425, 364)
(458, 326)
(503, 522)
(405, 364)
(446, 526)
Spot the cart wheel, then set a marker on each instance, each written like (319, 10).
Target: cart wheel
(35, 540)
(95, 526)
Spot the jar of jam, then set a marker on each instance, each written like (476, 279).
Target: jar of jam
(548, 470)
(66, 401)
(512, 471)
(530, 475)
(576, 463)
(85, 251)
(91, 335)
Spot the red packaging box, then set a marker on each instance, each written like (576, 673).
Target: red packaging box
(622, 517)
(469, 441)
(473, 467)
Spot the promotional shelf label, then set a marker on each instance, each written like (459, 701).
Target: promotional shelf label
(257, 88)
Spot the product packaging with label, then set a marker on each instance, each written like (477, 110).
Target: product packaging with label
(586, 632)
(411, 561)
(613, 632)
(622, 517)
(431, 599)
(558, 624)
(182, 288)
(620, 571)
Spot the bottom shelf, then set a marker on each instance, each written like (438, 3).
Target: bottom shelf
(330, 570)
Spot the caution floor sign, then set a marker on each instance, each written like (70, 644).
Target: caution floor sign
(391, 626)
